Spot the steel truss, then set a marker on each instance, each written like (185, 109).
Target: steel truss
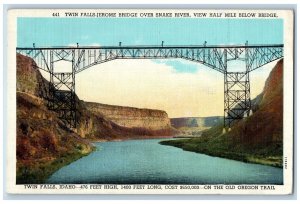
(237, 102)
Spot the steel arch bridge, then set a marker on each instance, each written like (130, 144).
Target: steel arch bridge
(237, 101)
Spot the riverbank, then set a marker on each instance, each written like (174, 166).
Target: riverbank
(119, 139)
(215, 143)
(255, 139)
(148, 162)
(187, 145)
(38, 171)
(200, 145)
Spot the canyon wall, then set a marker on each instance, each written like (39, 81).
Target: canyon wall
(201, 122)
(44, 141)
(132, 117)
(257, 138)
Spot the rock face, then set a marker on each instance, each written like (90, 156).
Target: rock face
(96, 126)
(265, 126)
(45, 143)
(258, 138)
(29, 78)
(132, 117)
(201, 122)
(194, 126)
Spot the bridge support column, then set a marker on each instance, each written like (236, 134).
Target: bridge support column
(62, 93)
(237, 101)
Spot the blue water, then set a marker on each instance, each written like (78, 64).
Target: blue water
(148, 162)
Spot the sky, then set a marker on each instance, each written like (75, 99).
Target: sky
(182, 88)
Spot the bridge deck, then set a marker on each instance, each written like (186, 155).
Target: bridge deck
(150, 47)
(237, 101)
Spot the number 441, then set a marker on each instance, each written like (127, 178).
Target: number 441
(55, 14)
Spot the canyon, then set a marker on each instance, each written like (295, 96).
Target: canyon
(45, 143)
(257, 138)
(132, 117)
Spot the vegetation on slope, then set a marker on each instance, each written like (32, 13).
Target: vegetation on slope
(256, 139)
(44, 142)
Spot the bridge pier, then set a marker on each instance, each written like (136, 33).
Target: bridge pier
(237, 101)
(62, 90)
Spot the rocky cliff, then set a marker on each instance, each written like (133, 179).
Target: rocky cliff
(201, 122)
(29, 78)
(95, 125)
(265, 126)
(132, 117)
(194, 126)
(258, 138)
(45, 143)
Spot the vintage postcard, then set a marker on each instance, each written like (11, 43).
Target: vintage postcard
(150, 101)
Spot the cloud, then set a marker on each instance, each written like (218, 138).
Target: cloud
(145, 84)
(180, 65)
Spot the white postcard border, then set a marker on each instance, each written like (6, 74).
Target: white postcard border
(287, 15)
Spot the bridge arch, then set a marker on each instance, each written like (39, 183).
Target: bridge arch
(237, 101)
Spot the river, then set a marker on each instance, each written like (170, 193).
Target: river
(148, 162)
